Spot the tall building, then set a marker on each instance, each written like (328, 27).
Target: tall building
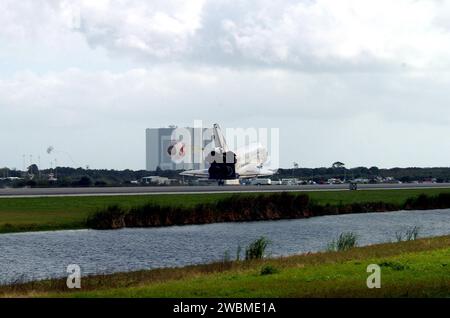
(159, 140)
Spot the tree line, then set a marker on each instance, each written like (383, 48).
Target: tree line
(69, 177)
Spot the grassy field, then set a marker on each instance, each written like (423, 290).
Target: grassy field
(418, 268)
(55, 213)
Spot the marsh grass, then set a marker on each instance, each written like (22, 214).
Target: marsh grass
(242, 208)
(344, 242)
(257, 249)
(236, 208)
(411, 234)
(61, 213)
(238, 252)
(111, 217)
(226, 257)
(399, 236)
(428, 202)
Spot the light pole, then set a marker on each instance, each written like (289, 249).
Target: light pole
(295, 167)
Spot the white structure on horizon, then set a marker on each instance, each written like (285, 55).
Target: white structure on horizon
(156, 180)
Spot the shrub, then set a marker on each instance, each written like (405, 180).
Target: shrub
(344, 242)
(426, 202)
(145, 215)
(256, 249)
(111, 217)
(421, 202)
(443, 200)
(268, 270)
(240, 208)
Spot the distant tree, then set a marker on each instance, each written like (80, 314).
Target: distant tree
(64, 182)
(374, 171)
(31, 183)
(84, 181)
(338, 164)
(33, 169)
(405, 179)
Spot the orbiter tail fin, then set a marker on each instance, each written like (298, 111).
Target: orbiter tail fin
(219, 138)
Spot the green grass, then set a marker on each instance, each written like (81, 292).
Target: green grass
(56, 213)
(53, 213)
(423, 276)
(418, 268)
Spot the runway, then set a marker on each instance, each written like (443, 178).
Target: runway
(154, 190)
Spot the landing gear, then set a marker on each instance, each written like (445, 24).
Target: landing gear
(221, 182)
(224, 168)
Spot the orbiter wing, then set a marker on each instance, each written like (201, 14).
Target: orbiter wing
(196, 173)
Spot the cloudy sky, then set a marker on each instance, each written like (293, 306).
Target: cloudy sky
(363, 82)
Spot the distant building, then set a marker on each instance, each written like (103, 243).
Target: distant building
(155, 180)
(159, 141)
(52, 178)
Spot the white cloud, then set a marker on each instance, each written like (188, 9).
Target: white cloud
(111, 110)
(305, 35)
(287, 33)
(160, 29)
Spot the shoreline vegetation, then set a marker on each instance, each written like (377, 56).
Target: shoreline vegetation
(412, 268)
(242, 208)
(68, 213)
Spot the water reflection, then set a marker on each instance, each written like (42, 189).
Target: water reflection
(29, 256)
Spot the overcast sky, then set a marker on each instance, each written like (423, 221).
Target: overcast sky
(363, 82)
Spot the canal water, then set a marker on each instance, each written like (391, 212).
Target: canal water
(39, 255)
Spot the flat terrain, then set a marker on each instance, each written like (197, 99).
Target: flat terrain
(418, 268)
(56, 213)
(148, 190)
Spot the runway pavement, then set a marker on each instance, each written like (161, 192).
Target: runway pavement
(151, 190)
